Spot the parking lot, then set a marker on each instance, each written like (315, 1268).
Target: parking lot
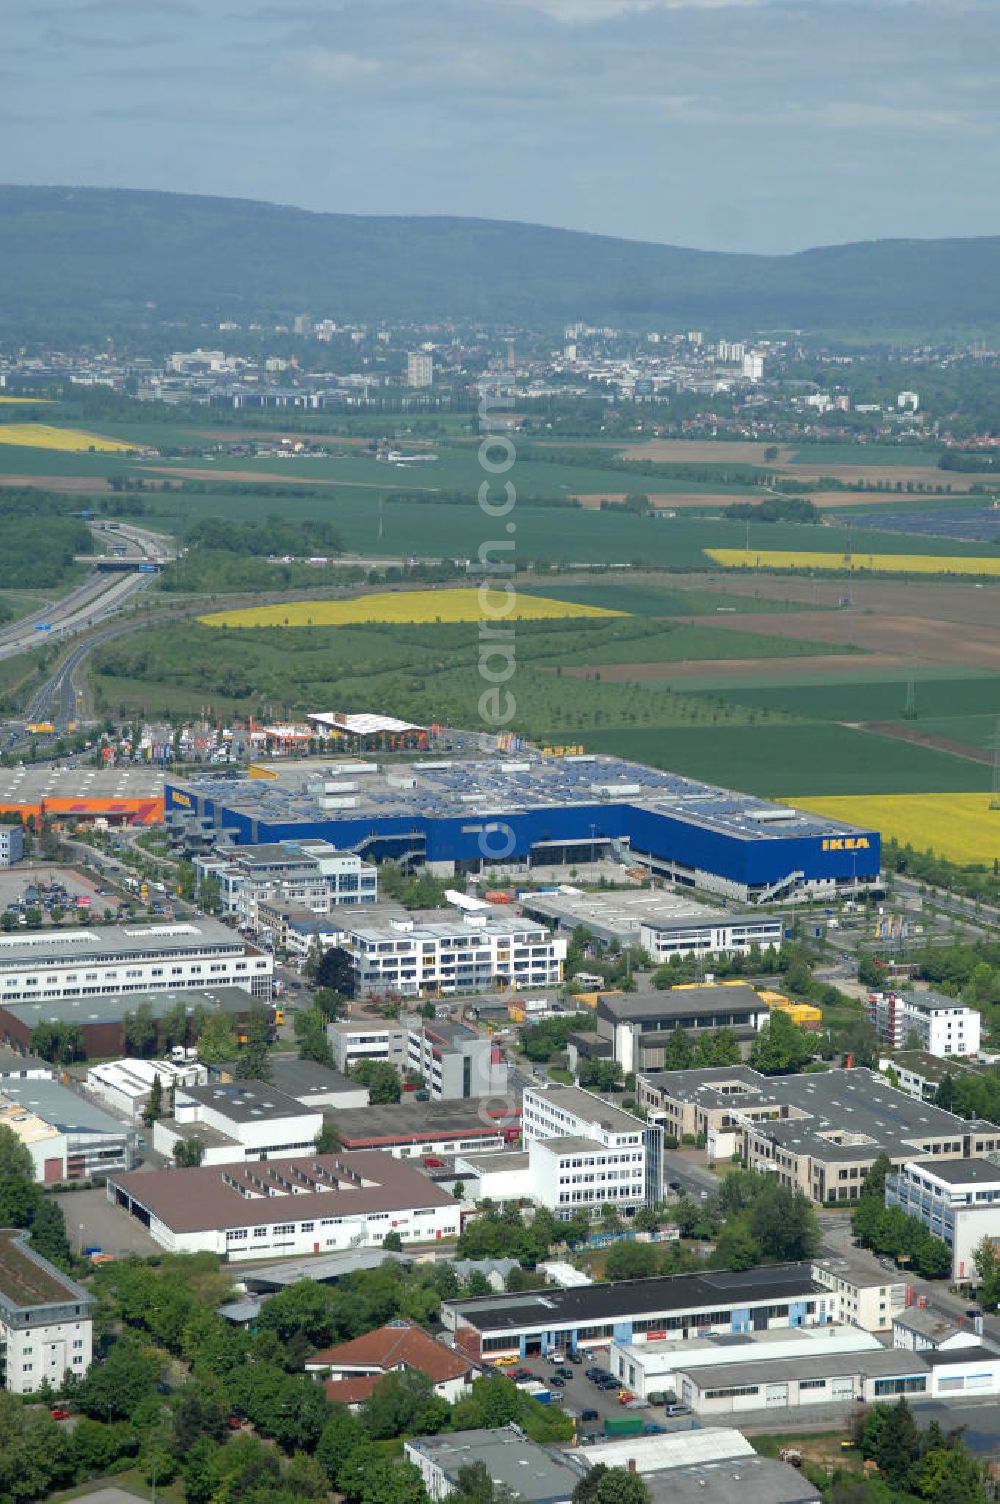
(92, 1221)
(80, 892)
(580, 1394)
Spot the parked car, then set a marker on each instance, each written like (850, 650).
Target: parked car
(678, 1409)
(557, 1357)
(651, 1429)
(556, 1382)
(565, 1373)
(589, 1415)
(58, 1414)
(574, 1357)
(625, 1396)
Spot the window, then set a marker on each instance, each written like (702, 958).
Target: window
(812, 1383)
(915, 1385)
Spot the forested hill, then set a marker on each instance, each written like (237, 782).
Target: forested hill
(119, 255)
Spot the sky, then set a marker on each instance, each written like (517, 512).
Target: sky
(748, 125)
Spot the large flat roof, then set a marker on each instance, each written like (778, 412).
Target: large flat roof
(249, 1195)
(753, 1480)
(707, 1290)
(587, 1106)
(532, 1473)
(30, 785)
(96, 1008)
(65, 1109)
(832, 1115)
(245, 1101)
(405, 1120)
(99, 942)
(673, 1002)
(963, 1171)
(452, 787)
(883, 1363)
(623, 913)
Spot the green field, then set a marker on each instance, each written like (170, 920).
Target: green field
(652, 598)
(937, 700)
(869, 454)
(681, 644)
(789, 761)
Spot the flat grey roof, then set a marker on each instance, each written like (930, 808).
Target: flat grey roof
(623, 913)
(963, 1171)
(638, 1006)
(533, 1473)
(883, 1363)
(98, 1008)
(921, 1063)
(928, 1323)
(99, 942)
(246, 1101)
(64, 1109)
(857, 1268)
(752, 1480)
(820, 1105)
(294, 1076)
(13, 1063)
(586, 1105)
(402, 1121)
(499, 1161)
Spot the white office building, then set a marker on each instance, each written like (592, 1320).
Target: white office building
(308, 875)
(440, 952)
(585, 1153)
(419, 368)
(938, 1024)
(956, 1200)
(119, 959)
(46, 1319)
(238, 1121)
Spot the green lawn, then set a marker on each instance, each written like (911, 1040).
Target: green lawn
(789, 761)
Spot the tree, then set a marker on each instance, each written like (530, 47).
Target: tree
(15, 1158)
(114, 1389)
(342, 1435)
(48, 1233)
(615, 1485)
(328, 1139)
(217, 1039)
(310, 1031)
(679, 1052)
(631, 1261)
(780, 1047)
(329, 1003)
(153, 1109)
(336, 971)
(784, 1225)
(189, 1153)
(381, 1079)
(893, 1442)
(736, 1247)
(139, 1031)
(986, 1257)
(600, 1075)
(253, 1062)
(174, 1025)
(404, 1402)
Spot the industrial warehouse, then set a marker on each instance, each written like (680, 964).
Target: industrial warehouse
(481, 816)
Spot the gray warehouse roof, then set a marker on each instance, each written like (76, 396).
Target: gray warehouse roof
(752, 1480)
(64, 1109)
(535, 1474)
(113, 942)
(98, 1008)
(885, 1363)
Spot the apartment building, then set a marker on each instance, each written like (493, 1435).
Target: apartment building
(46, 1319)
(51, 964)
(585, 1153)
(959, 1202)
(818, 1132)
(940, 1025)
(355, 1040)
(439, 952)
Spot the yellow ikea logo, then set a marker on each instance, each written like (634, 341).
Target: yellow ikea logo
(183, 799)
(846, 843)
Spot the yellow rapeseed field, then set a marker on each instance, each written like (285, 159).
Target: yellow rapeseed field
(777, 558)
(72, 440)
(406, 606)
(26, 401)
(959, 827)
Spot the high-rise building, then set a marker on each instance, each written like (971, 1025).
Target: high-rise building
(753, 366)
(419, 368)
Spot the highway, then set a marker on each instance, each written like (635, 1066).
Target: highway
(97, 599)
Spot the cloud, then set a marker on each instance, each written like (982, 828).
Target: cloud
(323, 66)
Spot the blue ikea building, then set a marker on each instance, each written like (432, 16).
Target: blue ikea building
(474, 816)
